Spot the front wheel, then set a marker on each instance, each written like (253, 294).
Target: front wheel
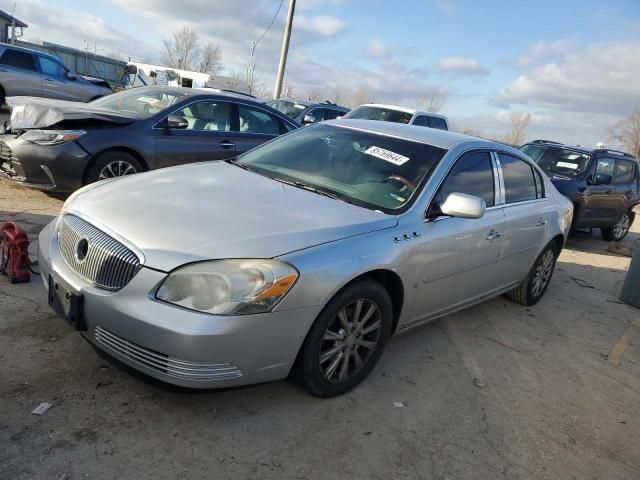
(112, 164)
(532, 288)
(620, 229)
(346, 340)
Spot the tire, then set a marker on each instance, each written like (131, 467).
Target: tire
(620, 229)
(529, 292)
(321, 362)
(110, 164)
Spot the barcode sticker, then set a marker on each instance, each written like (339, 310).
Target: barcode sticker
(572, 166)
(387, 155)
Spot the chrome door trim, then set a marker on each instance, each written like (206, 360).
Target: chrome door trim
(500, 192)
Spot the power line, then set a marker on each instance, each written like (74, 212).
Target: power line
(271, 23)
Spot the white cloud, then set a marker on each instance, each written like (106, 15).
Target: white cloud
(446, 7)
(322, 25)
(377, 48)
(462, 66)
(545, 52)
(602, 78)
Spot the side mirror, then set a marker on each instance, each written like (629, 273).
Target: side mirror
(308, 119)
(463, 206)
(603, 179)
(71, 76)
(176, 121)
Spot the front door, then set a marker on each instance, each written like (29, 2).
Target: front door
(600, 201)
(208, 136)
(460, 256)
(19, 73)
(55, 83)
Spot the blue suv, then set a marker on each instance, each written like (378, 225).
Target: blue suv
(603, 184)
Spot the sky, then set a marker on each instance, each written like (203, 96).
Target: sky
(573, 64)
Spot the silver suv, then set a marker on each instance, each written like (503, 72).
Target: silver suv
(36, 74)
(395, 114)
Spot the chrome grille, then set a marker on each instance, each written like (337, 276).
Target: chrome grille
(107, 264)
(182, 369)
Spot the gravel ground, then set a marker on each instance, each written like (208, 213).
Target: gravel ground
(495, 392)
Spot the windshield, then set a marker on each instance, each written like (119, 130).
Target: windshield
(380, 113)
(363, 168)
(138, 102)
(558, 160)
(292, 109)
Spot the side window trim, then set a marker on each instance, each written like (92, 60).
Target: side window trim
(498, 179)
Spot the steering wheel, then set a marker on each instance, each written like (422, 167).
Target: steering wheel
(399, 178)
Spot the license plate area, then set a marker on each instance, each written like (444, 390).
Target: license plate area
(67, 304)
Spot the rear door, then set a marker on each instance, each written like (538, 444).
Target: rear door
(209, 135)
(19, 73)
(527, 212)
(625, 186)
(255, 126)
(55, 83)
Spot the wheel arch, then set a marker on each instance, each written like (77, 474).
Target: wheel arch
(137, 155)
(559, 240)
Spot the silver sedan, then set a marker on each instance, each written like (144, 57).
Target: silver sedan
(302, 256)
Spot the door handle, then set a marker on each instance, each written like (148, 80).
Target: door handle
(609, 192)
(541, 222)
(227, 144)
(493, 235)
(49, 79)
(3, 70)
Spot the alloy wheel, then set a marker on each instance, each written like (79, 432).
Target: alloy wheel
(350, 340)
(542, 274)
(118, 168)
(620, 228)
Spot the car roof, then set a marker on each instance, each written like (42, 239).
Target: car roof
(8, 46)
(578, 148)
(431, 136)
(309, 103)
(412, 111)
(195, 92)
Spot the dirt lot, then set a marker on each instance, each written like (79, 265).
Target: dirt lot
(497, 392)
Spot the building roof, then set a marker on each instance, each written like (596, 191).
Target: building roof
(10, 18)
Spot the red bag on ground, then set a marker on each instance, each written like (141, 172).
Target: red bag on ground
(15, 253)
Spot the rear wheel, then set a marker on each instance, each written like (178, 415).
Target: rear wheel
(620, 229)
(112, 164)
(532, 288)
(346, 340)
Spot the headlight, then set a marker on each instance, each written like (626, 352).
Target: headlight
(51, 137)
(229, 287)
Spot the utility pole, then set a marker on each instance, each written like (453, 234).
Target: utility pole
(285, 49)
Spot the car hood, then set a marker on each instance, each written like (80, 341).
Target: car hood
(217, 210)
(36, 112)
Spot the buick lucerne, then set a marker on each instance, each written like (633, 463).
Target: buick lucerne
(301, 256)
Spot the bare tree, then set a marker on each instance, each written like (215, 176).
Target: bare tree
(361, 96)
(336, 95)
(520, 122)
(182, 51)
(317, 94)
(627, 132)
(210, 59)
(433, 99)
(288, 89)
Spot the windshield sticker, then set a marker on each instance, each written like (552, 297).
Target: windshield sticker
(149, 100)
(572, 166)
(387, 155)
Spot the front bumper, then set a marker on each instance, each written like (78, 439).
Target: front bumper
(54, 167)
(176, 345)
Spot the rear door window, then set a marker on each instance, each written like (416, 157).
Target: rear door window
(623, 172)
(422, 121)
(253, 120)
(437, 122)
(330, 113)
(472, 174)
(15, 58)
(519, 180)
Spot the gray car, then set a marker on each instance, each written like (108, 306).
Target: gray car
(25, 72)
(303, 255)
